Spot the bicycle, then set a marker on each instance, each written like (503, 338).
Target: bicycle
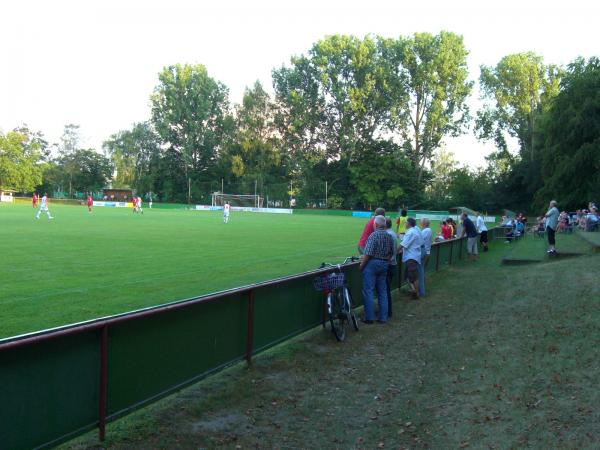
(337, 297)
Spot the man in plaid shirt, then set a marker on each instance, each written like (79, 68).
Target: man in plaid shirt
(374, 265)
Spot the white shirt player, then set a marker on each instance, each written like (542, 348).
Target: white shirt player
(44, 207)
(226, 210)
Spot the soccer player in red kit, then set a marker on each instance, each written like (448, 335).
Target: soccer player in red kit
(90, 203)
(34, 200)
(134, 201)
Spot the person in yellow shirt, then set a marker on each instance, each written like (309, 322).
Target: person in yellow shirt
(401, 223)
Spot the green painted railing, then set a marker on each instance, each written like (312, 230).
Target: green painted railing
(59, 383)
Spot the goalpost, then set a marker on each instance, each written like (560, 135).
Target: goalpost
(253, 201)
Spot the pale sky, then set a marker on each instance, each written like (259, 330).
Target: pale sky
(95, 62)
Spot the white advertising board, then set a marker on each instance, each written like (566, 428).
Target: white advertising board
(455, 217)
(114, 204)
(246, 209)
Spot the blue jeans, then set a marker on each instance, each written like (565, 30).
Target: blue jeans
(374, 277)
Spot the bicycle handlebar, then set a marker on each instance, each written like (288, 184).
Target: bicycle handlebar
(346, 261)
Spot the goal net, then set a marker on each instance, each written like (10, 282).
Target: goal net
(251, 201)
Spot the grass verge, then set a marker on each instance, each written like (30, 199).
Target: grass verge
(494, 357)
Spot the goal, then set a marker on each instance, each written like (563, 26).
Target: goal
(251, 201)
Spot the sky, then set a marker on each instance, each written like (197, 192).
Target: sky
(96, 62)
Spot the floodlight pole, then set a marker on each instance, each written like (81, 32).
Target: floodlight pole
(222, 191)
(189, 190)
(326, 206)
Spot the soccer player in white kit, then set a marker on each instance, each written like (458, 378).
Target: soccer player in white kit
(226, 209)
(139, 205)
(44, 207)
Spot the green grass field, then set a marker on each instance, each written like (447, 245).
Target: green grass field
(81, 266)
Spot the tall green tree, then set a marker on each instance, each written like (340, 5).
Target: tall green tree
(190, 112)
(432, 71)
(134, 154)
(20, 159)
(255, 153)
(570, 139)
(334, 110)
(443, 165)
(70, 142)
(517, 89)
(82, 170)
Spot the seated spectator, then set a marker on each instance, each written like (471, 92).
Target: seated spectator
(446, 231)
(453, 227)
(515, 230)
(563, 222)
(539, 227)
(592, 220)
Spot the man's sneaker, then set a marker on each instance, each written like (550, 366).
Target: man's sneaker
(50, 217)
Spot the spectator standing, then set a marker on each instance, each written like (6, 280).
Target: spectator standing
(369, 227)
(468, 228)
(393, 265)
(551, 218)
(411, 255)
(482, 230)
(427, 237)
(378, 250)
(401, 223)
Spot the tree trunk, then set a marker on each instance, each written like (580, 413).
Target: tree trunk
(532, 130)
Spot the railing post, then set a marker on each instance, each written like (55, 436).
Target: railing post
(250, 330)
(451, 245)
(102, 391)
(399, 274)
(437, 256)
(460, 247)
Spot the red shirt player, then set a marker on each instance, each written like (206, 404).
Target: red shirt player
(34, 200)
(90, 203)
(134, 201)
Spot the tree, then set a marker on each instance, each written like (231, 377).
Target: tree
(255, 153)
(334, 109)
(82, 170)
(20, 158)
(517, 90)
(93, 169)
(570, 138)
(69, 144)
(190, 112)
(134, 153)
(432, 71)
(442, 167)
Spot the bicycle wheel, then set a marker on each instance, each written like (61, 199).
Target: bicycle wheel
(337, 315)
(348, 302)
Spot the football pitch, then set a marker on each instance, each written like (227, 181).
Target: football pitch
(82, 266)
